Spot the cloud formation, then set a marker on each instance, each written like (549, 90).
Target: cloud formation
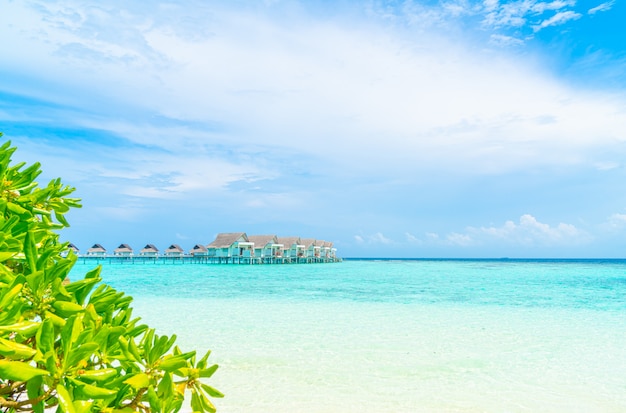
(606, 6)
(529, 232)
(368, 119)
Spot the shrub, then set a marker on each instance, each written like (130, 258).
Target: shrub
(75, 345)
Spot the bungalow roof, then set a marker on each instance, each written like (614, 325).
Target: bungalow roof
(289, 241)
(149, 248)
(226, 239)
(199, 248)
(174, 248)
(308, 242)
(96, 248)
(262, 240)
(124, 248)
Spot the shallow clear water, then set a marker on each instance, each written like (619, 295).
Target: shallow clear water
(397, 336)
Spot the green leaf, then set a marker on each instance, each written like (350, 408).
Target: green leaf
(196, 404)
(206, 403)
(154, 400)
(16, 351)
(5, 255)
(82, 288)
(211, 391)
(66, 308)
(30, 252)
(10, 296)
(98, 376)
(89, 391)
(65, 400)
(166, 386)
(208, 372)
(202, 362)
(19, 371)
(45, 336)
(82, 352)
(34, 390)
(26, 329)
(138, 381)
(82, 406)
(172, 364)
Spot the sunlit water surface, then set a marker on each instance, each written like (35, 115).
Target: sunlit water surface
(396, 336)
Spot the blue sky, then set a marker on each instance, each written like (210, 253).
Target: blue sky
(392, 128)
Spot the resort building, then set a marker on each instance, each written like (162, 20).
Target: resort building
(231, 245)
(292, 247)
(311, 248)
(149, 251)
(124, 250)
(96, 250)
(266, 247)
(174, 250)
(199, 250)
(328, 251)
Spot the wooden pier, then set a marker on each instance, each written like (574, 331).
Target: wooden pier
(190, 259)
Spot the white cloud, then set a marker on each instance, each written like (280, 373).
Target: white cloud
(379, 238)
(462, 240)
(303, 86)
(616, 222)
(530, 232)
(557, 20)
(606, 6)
(373, 239)
(503, 40)
(412, 239)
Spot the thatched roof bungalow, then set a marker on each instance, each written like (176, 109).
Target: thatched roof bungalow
(124, 250)
(174, 250)
(230, 244)
(311, 247)
(327, 250)
(292, 246)
(266, 246)
(199, 250)
(96, 250)
(149, 251)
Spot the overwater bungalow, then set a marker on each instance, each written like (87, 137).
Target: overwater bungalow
(73, 248)
(149, 251)
(174, 250)
(124, 250)
(292, 247)
(311, 248)
(231, 246)
(266, 247)
(96, 250)
(328, 251)
(199, 250)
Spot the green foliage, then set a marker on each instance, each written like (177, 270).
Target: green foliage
(75, 346)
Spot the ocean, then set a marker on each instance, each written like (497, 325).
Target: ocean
(395, 336)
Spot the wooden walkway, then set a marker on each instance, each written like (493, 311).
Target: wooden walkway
(188, 259)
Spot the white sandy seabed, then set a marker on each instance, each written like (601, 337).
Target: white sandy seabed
(350, 357)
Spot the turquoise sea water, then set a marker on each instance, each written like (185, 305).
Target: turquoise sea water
(399, 335)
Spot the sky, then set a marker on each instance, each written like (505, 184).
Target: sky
(422, 129)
